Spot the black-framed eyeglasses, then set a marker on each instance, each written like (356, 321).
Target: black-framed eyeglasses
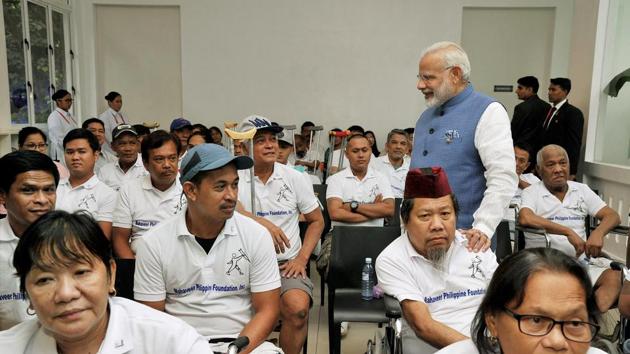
(538, 326)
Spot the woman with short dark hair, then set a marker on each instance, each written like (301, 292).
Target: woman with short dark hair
(66, 269)
(538, 301)
(112, 117)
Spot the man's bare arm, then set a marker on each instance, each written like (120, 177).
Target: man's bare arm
(340, 212)
(433, 332)
(266, 306)
(382, 209)
(120, 243)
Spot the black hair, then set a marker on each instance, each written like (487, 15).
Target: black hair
(59, 94)
(204, 134)
(523, 145)
(156, 140)
(284, 144)
(213, 129)
(17, 162)
(563, 82)
(92, 120)
(200, 127)
(112, 96)
(407, 205)
(308, 123)
(375, 150)
(80, 133)
(410, 131)
(28, 131)
(141, 129)
(509, 282)
(335, 130)
(354, 136)
(356, 128)
(529, 81)
(60, 238)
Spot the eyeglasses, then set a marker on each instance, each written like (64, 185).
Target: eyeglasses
(428, 78)
(538, 326)
(34, 146)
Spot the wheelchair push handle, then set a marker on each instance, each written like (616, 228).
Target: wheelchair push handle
(238, 345)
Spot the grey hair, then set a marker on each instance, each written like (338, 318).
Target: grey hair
(539, 155)
(399, 132)
(452, 54)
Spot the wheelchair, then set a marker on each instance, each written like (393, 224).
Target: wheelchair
(391, 342)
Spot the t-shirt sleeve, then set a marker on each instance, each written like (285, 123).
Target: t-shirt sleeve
(106, 209)
(385, 186)
(148, 283)
(593, 202)
(306, 199)
(529, 196)
(264, 272)
(395, 280)
(334, 188)
(122, 212)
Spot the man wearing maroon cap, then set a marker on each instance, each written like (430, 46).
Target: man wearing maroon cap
(430, 269)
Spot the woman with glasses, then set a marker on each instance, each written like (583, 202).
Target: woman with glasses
(67, 272)
(538, 301)
(60, 122)
(32, 138)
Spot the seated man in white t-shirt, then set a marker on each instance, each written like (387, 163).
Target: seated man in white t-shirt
(430, 269)
(359, 195)
(106, 155)
(396, 162)
(129, 165)
(560, 207)
(521, 155)
(145, 202)
(210, 266)
(281, 195)
(83, 190)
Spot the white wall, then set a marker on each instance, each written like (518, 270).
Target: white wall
(333, 62)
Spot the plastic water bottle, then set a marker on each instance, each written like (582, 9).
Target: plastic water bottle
(367, 280)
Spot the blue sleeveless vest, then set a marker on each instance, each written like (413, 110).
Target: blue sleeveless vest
(445, 136)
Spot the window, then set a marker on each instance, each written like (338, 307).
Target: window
(38, 57)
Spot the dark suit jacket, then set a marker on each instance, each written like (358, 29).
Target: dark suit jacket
(565, 129)
(527, 122)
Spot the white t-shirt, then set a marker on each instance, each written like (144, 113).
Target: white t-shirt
(579, 202)
(467, 346)
(13, 303)
(93, 195)
(345, 186)
(132, 328)
(113, 176)
(210, 291)
(141, 206)
(516, 200)
(396, 176)
(111, 119)
(59, 124)
(286, 195)
(452, 295)
(106, 156)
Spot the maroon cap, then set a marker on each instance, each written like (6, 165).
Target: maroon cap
(426, 182)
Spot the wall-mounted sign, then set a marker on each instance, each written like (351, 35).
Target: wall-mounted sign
(503, 88)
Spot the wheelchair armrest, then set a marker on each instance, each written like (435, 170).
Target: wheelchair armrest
(532, 230)
(392, 307)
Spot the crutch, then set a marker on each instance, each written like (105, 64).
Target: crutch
(310, 141)
(291, 129)
(237, 345)
(229, 125)
(248, 135)
(344, 134)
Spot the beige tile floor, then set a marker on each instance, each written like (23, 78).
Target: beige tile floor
(355, 342)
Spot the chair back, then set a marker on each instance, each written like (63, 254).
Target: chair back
(320, 193)
(395, 220)
(350, 246)
(504, 242)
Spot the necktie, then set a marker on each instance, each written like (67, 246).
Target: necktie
(548, 119)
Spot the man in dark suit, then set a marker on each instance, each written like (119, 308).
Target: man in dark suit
(529, 115)
(564, 123)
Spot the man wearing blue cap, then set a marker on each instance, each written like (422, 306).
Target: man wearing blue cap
(212, 267)
(182, 128)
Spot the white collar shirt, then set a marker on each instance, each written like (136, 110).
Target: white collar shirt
(141, 206)
(132, 328)
(93, 196)
(347, 187)
(210, 291)
(105, 156)
(111, 119)
(516, 200)
(285, 196)
(59, 124)
(396, 176)
(453, 294)
(113, 176)
(579, 202)
(13, 303)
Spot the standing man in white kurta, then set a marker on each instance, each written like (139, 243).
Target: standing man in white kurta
(27, 186)
(145, 202)
(212, 267)
(281, 195)
(430, 269)
(83, 190)
(60, 122)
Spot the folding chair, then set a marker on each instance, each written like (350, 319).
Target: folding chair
(350, 246)
(504, 243)
(125, 269)
(395, 219)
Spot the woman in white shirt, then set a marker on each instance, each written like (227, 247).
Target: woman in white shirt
(113, 116)
(60, 122)
(538, 301)
(66, 269)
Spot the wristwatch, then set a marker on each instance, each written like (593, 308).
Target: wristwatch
(354, 206)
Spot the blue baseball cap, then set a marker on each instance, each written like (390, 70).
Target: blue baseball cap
(180, 123)
(206, 157)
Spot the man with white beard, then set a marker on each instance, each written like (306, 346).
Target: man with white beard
(438, 281)
(468, 134)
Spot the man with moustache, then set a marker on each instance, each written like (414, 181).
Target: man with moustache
(396, 161)
(468, 134)
(429, 269)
